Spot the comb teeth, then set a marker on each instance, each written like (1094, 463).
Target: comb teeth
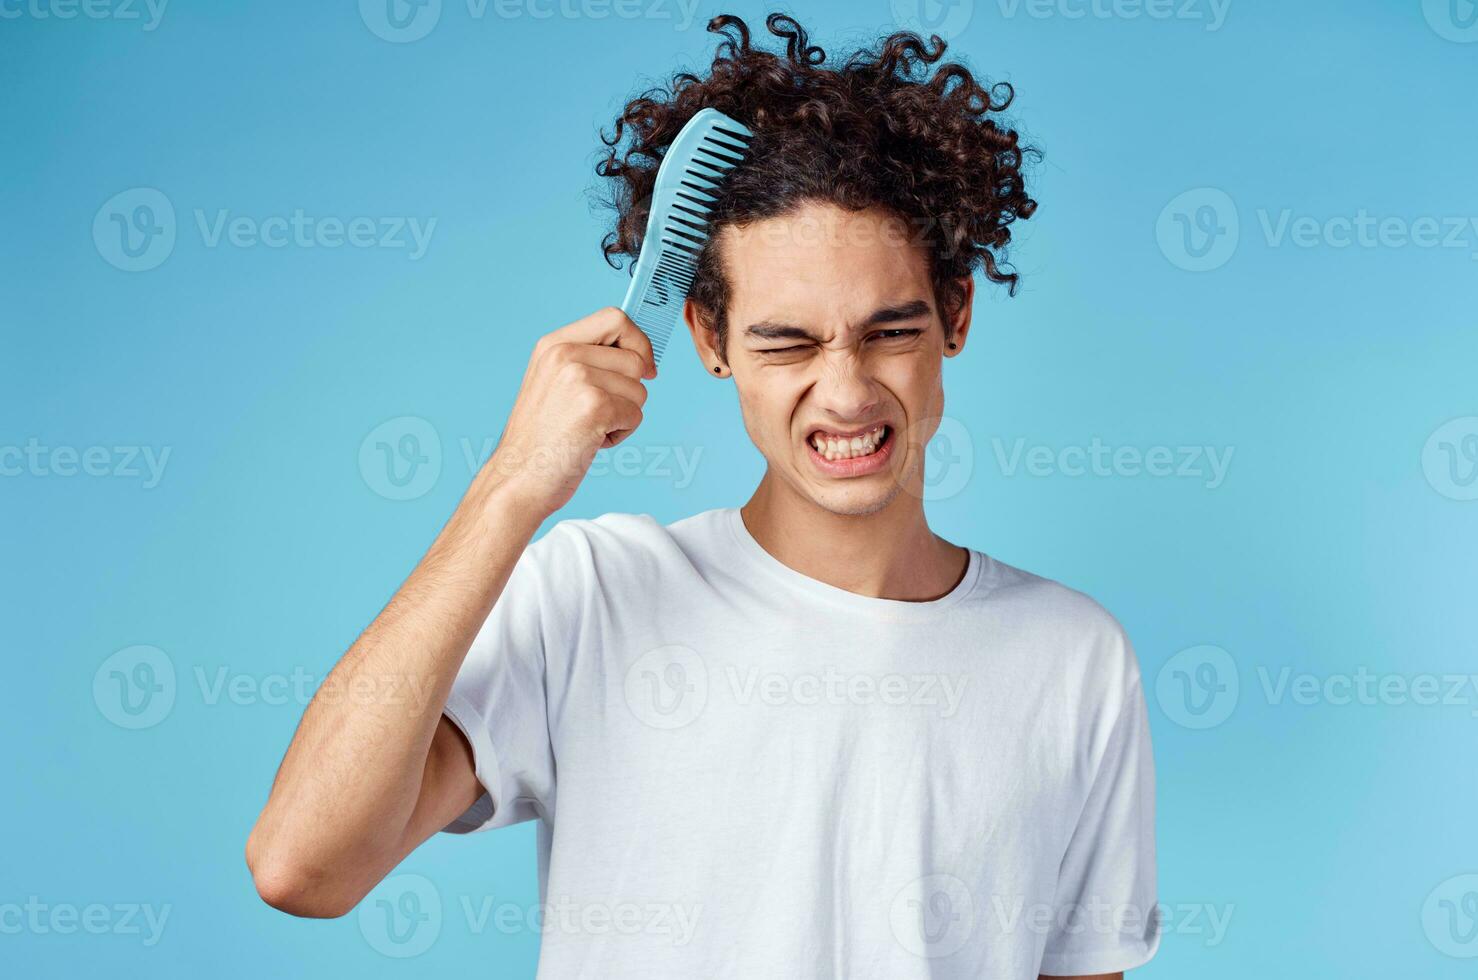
(692, 173)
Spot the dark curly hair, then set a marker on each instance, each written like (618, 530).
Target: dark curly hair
(878, 130)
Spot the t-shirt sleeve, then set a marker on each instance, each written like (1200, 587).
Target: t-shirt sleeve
(499, 697)
(1106, 917)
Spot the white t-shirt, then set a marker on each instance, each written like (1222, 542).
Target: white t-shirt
(740, 771)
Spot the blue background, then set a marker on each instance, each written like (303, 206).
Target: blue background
(1326, 831)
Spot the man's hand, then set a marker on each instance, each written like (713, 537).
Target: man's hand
(582, 392)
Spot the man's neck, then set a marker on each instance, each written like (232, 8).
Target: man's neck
(889, 554)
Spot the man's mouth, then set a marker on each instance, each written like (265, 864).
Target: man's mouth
(833, 446)
(854, 453)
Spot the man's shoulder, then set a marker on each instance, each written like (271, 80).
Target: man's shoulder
(619, 536)
(1046, 596)
(1064, 618)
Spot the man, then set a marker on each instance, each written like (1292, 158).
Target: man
(803, 738)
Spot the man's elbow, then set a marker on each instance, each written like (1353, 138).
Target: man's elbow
(292, 888)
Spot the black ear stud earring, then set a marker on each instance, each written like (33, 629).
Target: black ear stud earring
(717, 369)
(952, 346)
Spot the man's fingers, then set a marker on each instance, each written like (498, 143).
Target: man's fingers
(631, 338)
(612, 382)
(625, 417)
(608, 327)
(627, 362)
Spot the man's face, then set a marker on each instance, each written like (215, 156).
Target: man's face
(835, 345)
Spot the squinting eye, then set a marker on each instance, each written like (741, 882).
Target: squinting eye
(782, 350)
(895, 334)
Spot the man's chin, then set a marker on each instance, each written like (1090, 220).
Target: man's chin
(856, 496)
(863, 497)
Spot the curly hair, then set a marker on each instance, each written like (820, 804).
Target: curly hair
(877, 130)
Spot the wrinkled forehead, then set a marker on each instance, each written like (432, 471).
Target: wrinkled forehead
(822, 266)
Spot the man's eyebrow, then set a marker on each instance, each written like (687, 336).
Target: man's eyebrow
(771, 330)
(775, 330)
(893, 314)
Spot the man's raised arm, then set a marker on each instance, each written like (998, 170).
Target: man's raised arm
(366, 779)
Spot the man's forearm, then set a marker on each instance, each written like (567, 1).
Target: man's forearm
(345, 793)
(373, 770)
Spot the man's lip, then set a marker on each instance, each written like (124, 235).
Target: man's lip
(849, 433)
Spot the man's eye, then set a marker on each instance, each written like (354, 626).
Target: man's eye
(895, 334)
(783, 350)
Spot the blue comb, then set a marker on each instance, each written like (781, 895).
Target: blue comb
(692, 170)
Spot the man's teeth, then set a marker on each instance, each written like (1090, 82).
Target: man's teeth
(834, 447)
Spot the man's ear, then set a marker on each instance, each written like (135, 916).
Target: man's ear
(957, 324)
(704, 339)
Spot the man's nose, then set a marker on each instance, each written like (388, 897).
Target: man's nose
(845, 390)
